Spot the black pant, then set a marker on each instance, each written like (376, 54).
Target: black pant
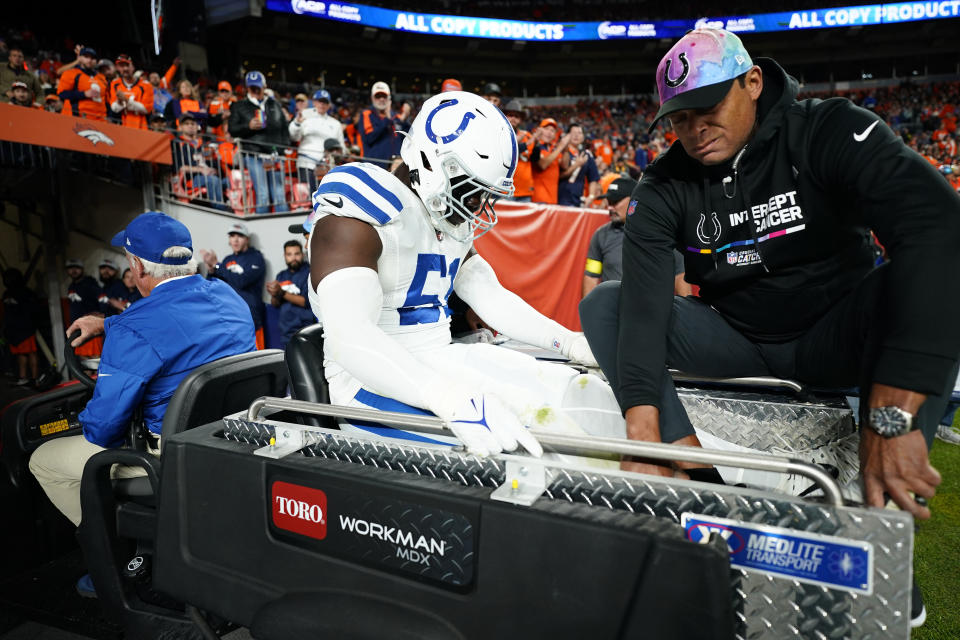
(838, 352)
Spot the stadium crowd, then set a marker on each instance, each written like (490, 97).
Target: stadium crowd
(570, 153)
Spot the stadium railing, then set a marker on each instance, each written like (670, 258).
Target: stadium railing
(234, 178)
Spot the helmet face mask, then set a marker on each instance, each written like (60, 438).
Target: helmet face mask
(462, 153)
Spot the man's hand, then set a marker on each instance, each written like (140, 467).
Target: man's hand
(897, 466)
(486, 426)
(256, 124)
(579, 351)
(474, 321)
(88, 326)
(209, 258)
(273, 288)
(404, 111)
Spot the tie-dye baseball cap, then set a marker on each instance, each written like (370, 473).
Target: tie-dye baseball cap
(698, 70)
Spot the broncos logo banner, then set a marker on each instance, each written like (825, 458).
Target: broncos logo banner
(46, 129)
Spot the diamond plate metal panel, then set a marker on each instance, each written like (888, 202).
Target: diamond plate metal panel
(768, 422)
(768, 607)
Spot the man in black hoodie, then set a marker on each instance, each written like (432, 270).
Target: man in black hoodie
(770, 200)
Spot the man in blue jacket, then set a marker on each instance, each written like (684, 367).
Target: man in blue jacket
(182, 322)
(244, 270)
(379, 126)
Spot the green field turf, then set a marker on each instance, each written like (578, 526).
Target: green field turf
(938, 551)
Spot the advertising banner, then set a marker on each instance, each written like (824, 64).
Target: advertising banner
(46, 129)
(475, 27)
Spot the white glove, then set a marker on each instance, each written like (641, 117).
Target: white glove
(579, 351)
(235, 268)
(486, 427)
(291, 288)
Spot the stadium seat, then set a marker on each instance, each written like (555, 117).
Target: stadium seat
(304, 358)
(119, 516)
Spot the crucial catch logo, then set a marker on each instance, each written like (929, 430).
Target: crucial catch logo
(836, 563)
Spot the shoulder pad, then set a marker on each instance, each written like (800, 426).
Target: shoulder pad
(358, 190)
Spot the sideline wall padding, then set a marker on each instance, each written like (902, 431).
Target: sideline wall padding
(539, 252)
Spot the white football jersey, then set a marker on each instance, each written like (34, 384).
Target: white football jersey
(417, 266)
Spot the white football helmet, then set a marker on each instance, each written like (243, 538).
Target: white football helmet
(462, 153)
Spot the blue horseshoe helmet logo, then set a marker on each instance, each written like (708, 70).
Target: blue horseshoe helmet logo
(450, 137)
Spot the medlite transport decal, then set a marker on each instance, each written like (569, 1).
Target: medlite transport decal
(377, 530)
(836, 563)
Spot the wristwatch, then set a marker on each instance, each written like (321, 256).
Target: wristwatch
(891, 422)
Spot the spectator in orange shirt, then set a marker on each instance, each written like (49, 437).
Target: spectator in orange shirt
(106, 74)
(131, 97)
(53, 104)
(220, 110)
(546, 161)
(186, 100)
(526, 141)
(78, 88)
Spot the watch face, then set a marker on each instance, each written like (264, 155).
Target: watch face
(890, 421)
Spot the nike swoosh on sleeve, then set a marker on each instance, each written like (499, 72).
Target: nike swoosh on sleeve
(860, 137)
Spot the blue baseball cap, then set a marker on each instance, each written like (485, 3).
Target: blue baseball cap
(255, 79)
(152, 233)
(322, 94)
(88, 51)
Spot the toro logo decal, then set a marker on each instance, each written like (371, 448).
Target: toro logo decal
(299, 509)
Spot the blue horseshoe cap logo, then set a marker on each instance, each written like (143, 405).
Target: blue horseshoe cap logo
(450, 137)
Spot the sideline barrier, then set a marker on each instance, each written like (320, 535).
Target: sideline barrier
(539, 251)
(45, 129)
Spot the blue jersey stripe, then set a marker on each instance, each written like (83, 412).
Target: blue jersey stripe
(365, 177)
(389, 432)
(419, 315)
(347, 191)
(389, 404)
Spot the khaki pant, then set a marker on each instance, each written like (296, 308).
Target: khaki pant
(58, 467)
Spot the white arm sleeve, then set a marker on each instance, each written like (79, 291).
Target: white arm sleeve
(505, 311)
(296, 130)
(348, 303)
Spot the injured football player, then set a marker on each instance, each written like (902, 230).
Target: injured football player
(389, 249)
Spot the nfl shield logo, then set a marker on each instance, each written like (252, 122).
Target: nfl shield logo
(633, 205)
(731, 258)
